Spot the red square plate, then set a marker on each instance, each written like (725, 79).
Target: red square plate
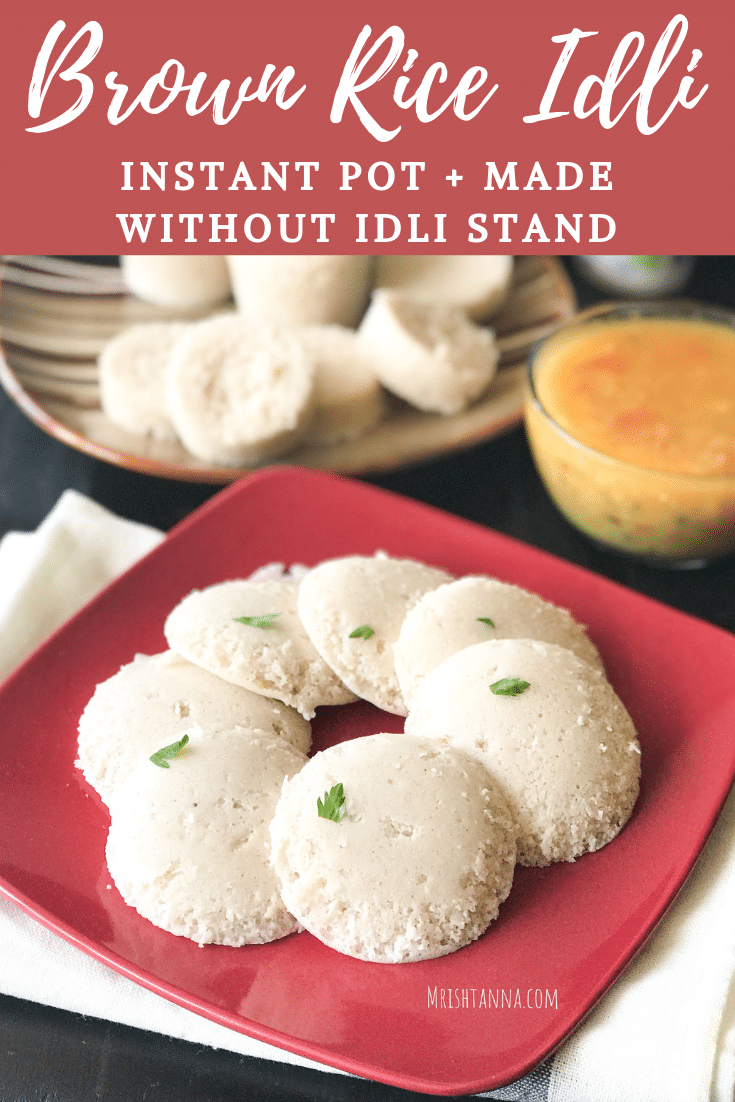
(464, 1023)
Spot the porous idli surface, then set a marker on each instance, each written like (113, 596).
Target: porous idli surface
(476, 284)
(238, 392)
(420, 861)
(188, 846)
(430, 355)
(369, 595)
(564, 751)
(177, 282)
(348, 397)
(275, 658)
(154, 701)
(473, 610)
(132, 376)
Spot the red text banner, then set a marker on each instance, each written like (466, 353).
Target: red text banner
(375, 128)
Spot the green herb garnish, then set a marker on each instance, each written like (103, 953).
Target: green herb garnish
(333, 806)
(510, 686)
(163, 756)
(485, 620)
(263, 621)
(363, 632)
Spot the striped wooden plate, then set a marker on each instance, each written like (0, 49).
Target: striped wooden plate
(55, 316)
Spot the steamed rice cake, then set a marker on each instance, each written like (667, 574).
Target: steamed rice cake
(132, 371)
(420, 861)
(155, 700)
(238, 392)
(188, 845)
(353, 608)
(564, 750)
(430, 355)
(272, 655)
(473, 610)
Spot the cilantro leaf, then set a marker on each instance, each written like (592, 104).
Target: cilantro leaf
(485, 620)
(262, 621)
(510, 686)
(363, 632)
(162, 756)
(333, 806)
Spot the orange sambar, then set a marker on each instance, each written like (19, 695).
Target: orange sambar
(658, 393)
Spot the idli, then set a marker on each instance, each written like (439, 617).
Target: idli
(155, 700)
(188, 845)
(353, 609)
(301, 290)
(419, 861)
(430, 355)
(475, 609)
(348, 397)
(550, 729)
(250, 633)
(177, 282)
(132, 377)
(237, 392)
(476, 284)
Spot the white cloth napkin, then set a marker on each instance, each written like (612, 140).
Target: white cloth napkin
(664, 1033)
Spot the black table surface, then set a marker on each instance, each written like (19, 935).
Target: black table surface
(50, 1054)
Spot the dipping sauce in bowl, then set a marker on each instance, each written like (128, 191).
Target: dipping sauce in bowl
(631, 420)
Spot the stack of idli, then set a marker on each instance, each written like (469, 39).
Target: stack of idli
(188, 843)
(309, 356)
(389, 847)
(492, 669)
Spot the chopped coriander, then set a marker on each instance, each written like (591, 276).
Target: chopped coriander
(363, 632)
(162, 756)
(333, 806)
(485, 620)
(262, 621)
(510, 686)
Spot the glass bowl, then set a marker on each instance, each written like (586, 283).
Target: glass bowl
(668, 517)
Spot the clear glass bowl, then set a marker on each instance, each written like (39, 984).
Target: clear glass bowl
(667, 518)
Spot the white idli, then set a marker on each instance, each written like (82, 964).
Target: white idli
(430, 355)
(188, 845)
(276, 659)
(418, 865)
(476, 284)
(301, 290)
(155, 700)
(132, 377)
(472, 610)
(348, 397)
(564, 751)
(177, 282)
(238, 393)
(369, 596)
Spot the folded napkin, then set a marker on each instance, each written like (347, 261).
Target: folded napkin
(664, 1033)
